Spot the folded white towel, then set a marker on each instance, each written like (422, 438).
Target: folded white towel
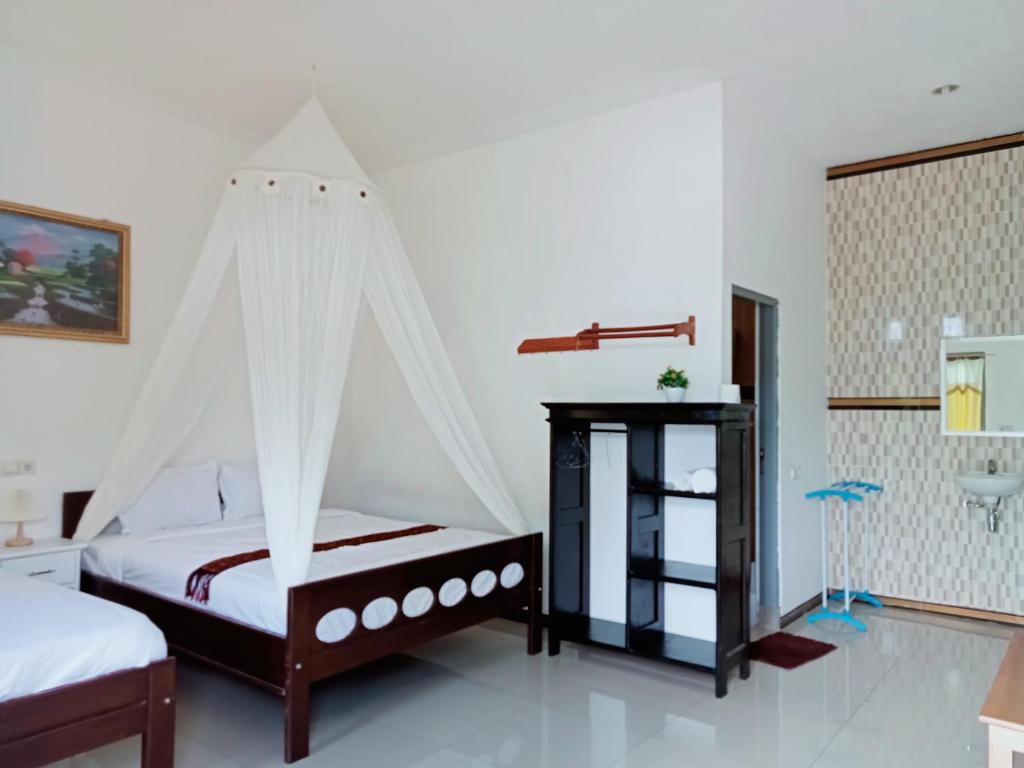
(704, 480)
(684, 482)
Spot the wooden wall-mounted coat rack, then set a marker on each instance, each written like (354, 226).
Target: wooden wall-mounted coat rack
(590, 338)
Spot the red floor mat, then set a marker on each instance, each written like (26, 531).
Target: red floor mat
(788, 651)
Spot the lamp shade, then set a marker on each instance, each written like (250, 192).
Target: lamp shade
(20, 506)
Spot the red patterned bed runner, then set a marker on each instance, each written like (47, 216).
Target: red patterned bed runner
(198, 586)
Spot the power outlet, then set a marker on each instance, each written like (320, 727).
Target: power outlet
(17, 467)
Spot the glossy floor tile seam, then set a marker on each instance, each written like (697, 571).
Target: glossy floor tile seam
(857, 709)
(450, 743)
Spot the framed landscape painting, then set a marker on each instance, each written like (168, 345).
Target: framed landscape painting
(63, 276)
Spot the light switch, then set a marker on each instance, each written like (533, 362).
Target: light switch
(952, 326)
(17, 467)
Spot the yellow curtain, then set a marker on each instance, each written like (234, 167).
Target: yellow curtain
(965, 399)
(963, 410)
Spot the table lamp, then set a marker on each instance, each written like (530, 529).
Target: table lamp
(20, 507)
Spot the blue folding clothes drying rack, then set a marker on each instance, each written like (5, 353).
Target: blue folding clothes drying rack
(844, 492)
(864, 593)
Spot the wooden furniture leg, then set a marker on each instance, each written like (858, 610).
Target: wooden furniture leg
(296, 721)
(158, 738)
(297, 680)
(534, 627)
(554, 641)
(745, 669)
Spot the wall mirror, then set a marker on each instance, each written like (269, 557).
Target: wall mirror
(983, 386)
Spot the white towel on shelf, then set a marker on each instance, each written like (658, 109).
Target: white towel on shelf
(704, 480)
(684, 482)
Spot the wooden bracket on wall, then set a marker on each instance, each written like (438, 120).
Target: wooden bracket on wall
(590, 338)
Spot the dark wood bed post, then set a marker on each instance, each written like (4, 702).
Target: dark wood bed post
(158, 737)
(296, 676)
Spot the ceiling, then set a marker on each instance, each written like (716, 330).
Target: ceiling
(405, 80)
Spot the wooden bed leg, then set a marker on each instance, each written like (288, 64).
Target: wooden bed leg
(534, 626)
(296, 721)
(158, 738)
(296, 687)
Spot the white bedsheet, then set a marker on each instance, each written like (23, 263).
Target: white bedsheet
(51, 635)
(161, 561)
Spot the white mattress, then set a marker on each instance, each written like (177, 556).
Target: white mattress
(161, 561)
(51, 635)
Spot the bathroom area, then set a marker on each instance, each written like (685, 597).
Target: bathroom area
(926, 377)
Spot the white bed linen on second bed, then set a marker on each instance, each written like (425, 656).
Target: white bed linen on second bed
(51, 635)
(161, 561)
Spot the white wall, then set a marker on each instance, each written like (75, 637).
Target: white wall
(775, 244)
(616, 219)
(65, 403)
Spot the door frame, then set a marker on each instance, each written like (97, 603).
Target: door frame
(766, 435)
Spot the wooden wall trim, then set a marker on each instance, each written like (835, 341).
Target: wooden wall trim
(884, 404)
(805, 607)
(913, 605)
(962, 149)
(953, 610)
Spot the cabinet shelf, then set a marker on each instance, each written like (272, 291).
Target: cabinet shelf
(667, 489)
(601, 632)
(690, 651)
(674, 572)
(649, 643)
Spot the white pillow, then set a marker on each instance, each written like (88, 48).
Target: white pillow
(240, 490)
(178, 496)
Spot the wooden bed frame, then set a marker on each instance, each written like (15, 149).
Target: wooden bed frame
(289, 665)
(62, 722)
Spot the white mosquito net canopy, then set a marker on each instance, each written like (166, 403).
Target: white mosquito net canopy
(308, 236)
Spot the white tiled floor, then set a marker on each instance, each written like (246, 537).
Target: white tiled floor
(905, 694)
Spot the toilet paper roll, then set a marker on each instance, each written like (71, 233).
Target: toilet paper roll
(730, 393)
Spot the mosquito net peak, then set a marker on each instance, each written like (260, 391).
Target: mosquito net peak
(308, 236)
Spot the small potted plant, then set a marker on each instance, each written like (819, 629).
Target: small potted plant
(673, 383)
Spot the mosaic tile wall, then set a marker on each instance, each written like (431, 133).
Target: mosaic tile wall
(912, 246)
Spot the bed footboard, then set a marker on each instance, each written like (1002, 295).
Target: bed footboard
(63, 722)
(341, 623)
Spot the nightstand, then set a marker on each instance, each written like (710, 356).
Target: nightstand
(55, 559)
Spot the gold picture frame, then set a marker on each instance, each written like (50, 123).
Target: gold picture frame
(63, 276)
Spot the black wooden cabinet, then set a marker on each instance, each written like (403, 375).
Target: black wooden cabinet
(647, 571)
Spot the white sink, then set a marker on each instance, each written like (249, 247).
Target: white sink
(991, 487)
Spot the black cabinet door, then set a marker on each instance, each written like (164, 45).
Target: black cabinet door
(570, 516)
(734, 529)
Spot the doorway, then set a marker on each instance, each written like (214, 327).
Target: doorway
(755, 370)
